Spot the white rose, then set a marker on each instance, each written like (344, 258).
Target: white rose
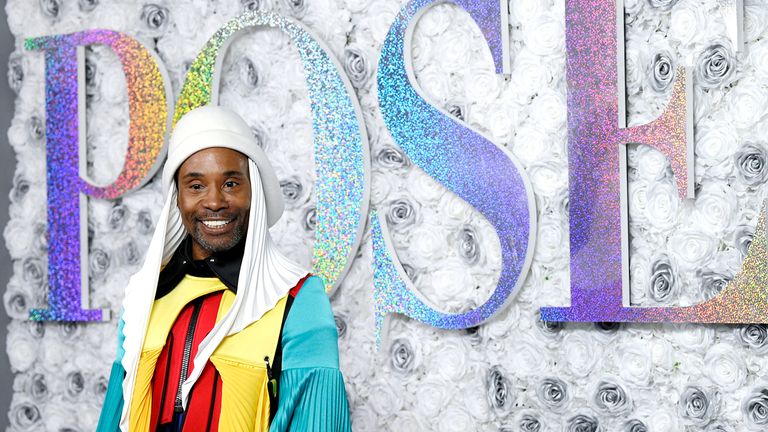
(661, 355)
(436, 20)
(455, 418)
(408, 420)
(661, 207)
(431, 246)
(758, 57)
(639, 265)
(715, 207)
(433, 81)
(425, 189)
(364, 419)
(651, 163)
(499, 325)
(551, 242)
(449, 359)
(637, 58)
(688, 23)
(548, 178)
(580, 353)
(385, 400)
(692, 337)
(523, 11)
(716, 143)
(381, 190)
(501, 119)
(755, 20)
(548, 110)
(527, 359)
(746, 103)
(450, 287)
(529, 75)
(22, 349)
(530, 144)
(379, 18)
(482, 83)
(636, 363)
(60, 416)
(691, 247)
(19, 238)
(660, 418)
(726, 367)
(455, 208)
(431, 395)
(545, 35)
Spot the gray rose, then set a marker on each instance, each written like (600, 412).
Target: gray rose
(87, 5)
(401, 213)
(20, 189)
(35, 128)
(468, 248)
(754, 408)
(662, 71)
(155, 17)
(474, 335)
(249, 74)
(410, 271)
(50, 8)
(662, 280)
(297, 8)
(714, 66)
(310, 219)
(33, 272)
(145, 223)
(100, 386)
(117, 215)
(357, 66)
(457, 110)
(608, 328)
(69, 329)
(40, 237)
(553, 393)
(529, 423)
(713, 283)
(252, 5)
(750, 163)
(695, 406)
(99, 263)
(497, 389)
(91, 76)
(16, 305)
(719, 426)
(38, 388)
(341, 325)
(131, 253)
(611, 398)
(261, 137)
(754, 336)
(583, 423)
(401, 355)
(15, 72)
(549, 328)
(292, 190)
(742, 238)
(391, 158)
(24, 415)
(75, 383)
(664, 5)
(37, 329)
(635, 425)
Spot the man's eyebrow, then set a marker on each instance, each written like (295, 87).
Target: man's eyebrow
(231, 173)
(234, 173)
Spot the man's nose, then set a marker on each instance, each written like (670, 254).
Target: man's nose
(215, 200)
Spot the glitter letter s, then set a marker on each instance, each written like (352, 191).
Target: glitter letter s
(598, 178)
(461, 159)
(148, 99)
(340, 140)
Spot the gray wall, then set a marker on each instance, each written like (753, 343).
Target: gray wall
(7, 168)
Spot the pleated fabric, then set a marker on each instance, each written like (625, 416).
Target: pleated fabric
(312, 399)
(109, 420)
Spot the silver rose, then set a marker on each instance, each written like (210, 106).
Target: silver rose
(457, 110)
(357, 66)
(252, 5)
(608, 328)
(662, 71)
(24, 415)
(87, 5)
(341, 325)
(15, 72)
(583, 423)
(497, 390)
(37, 329)
(310, 219)
(155, 17)
(713, 283)
(69, 329)
(662, 280)
(91, 76)
(392, 158)
(742, 238)
(20, 189)
(75, 383)
(719, 426)
(664, 5)
(611, 398)
(635, 426)
(100, 386)
(695, 406)
(750, 162)
(35, 128)
(754, 336)
(529, 423)
(145, 223)
(714, 66)
(117, 216)
(50, 8)
(401, 355)
(553, 393)
(38, 387)
(262, 140)
(410, 271)
(754, 408)
(131, 253)
(33, 272)
(99, 263)
(296, 7)
(468, 247)
(16, 305)
(549, 328)
(249, 73)
(292, 190)
(401, 213)
(41, 237)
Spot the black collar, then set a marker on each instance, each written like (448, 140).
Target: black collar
(223, 265)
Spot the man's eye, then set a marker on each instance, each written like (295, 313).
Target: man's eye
(230, 184)
(196, 186)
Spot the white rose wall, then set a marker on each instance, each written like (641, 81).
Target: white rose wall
(460, 219)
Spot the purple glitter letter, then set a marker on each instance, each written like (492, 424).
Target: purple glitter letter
(463, 160)
(65, 115)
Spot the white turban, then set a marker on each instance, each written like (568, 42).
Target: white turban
(266, 275)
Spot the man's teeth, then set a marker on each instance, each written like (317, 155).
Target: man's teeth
(215, 224)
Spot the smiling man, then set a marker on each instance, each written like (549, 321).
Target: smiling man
(219, 330)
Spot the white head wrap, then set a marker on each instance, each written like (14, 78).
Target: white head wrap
(266, 275)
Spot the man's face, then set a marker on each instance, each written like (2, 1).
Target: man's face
(214, 199)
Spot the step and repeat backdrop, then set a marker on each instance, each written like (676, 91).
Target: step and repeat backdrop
(455, 232)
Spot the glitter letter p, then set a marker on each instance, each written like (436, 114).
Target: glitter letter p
(65, 132)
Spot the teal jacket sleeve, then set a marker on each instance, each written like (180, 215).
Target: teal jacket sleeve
(312, 395)
(109, 420)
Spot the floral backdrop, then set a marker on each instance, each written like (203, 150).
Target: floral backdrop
(513, 373)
